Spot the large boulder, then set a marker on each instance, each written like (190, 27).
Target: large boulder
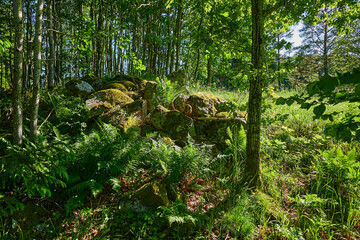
(114, 85)
(135, 106)
(92, 80)
(174, 123)
(212, 130)
(150, 196)
(130, 82)
(199, 105)
(148, 94)
(179, 102)
(107, 104)
(112, 96)
(79, 88)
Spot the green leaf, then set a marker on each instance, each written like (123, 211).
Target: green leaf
(289, 102)
(312, 88)
(357, 89)
(280, 101)
(319, 110)
(226, 14)
(327, 83)
(306, 105)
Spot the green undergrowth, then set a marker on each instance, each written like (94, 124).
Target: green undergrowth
(73, 182)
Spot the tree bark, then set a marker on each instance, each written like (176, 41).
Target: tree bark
(209, 70)
(35, 100)
(28, 61)
(51, 62)
(178, 35)
(99, 43)
(252, 162)
(326, 67)
(18, 73)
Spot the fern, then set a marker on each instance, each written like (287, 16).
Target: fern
(167, 91)
(100, 157)
(177, 163)
(230, 164)
(36, 168)
(338, 178)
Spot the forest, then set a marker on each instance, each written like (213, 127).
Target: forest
(180, 119)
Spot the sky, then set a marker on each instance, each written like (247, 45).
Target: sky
(296, 39)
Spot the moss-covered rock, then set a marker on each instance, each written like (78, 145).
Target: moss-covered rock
(179, 102)
(114, 85)
(175, 124)
(214, 130)
(148, 94)
(204, 104)
(112, 96)
(129, 85)
(137, 83)
(135, 106)
(150, 196)
(79, 88)
(107, 105)
(174, 192)
(92, 80)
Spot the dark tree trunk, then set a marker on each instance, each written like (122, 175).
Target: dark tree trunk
(252, 162)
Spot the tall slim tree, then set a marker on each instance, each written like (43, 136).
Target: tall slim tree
(252, 162)
(51, 62)
(318, 40)
(257, 81)
(18, 73)
(35, 100)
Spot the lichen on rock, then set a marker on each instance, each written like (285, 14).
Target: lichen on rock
(112, 96)
(148, 95)
(204, 104)
(179, 102)
(79, 88)
(137, 83)
(114, 85)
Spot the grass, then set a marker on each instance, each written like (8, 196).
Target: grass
(311, 185)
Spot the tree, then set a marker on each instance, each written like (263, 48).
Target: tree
(18, 73)
(318, 40)
(35, 100)
(51, 39)
(346, 53)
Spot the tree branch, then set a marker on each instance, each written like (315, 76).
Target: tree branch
(270, 9)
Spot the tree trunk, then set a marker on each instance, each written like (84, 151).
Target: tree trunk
(18, 73)
(209, 70)
(28, 61)
(51, 62)
(35, 100)
(252, 162)
(178, 35)
(99, 43)
(326, 67)
(198, 49)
